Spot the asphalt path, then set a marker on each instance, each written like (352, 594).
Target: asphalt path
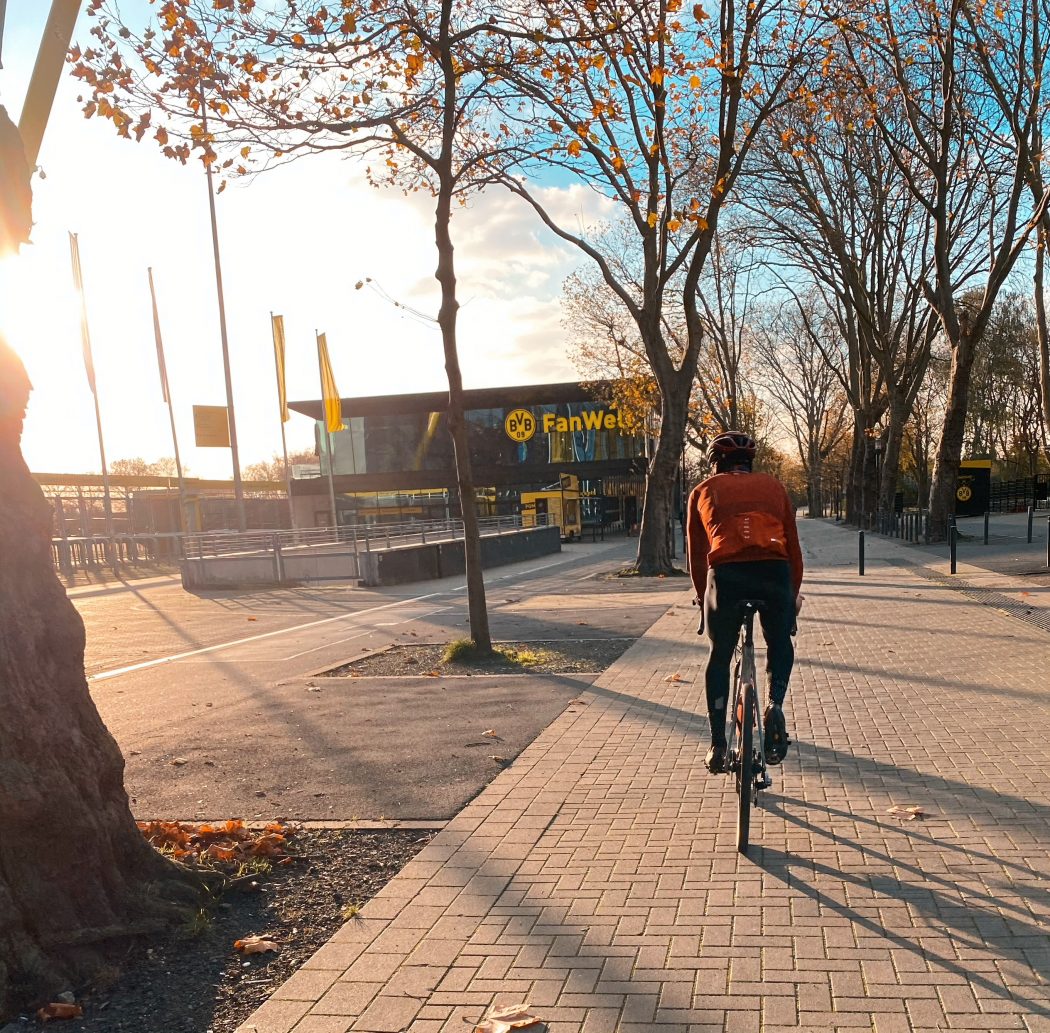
(215, 701)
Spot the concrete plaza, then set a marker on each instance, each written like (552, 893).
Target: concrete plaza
(596, 878)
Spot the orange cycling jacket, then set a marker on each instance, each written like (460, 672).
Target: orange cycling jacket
(737, 518)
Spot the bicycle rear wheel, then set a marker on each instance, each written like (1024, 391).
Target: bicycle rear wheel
(744, 769)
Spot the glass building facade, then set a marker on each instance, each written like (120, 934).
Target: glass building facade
(565, 434)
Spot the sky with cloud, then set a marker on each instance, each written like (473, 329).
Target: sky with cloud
(294, 241)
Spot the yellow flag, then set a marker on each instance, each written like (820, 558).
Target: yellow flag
(333, 406)
(85, 333)
(278, 355)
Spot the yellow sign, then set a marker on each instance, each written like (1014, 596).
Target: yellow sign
(965, 493)
(590, 419)
(520, 425)
(211, 428)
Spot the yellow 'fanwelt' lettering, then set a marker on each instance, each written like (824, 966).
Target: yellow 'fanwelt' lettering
(593, 419)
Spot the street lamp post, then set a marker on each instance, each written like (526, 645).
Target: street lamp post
(238, 486)
(879, 515)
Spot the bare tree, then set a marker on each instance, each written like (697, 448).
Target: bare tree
(416, 87)
(841, 210)
(792, 344)
(966, 161)
(659, 116)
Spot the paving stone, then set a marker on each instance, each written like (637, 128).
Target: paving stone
(597, 877)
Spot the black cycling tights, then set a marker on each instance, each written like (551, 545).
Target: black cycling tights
(727, 585)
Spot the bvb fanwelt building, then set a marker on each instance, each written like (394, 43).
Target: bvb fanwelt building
(393, 461)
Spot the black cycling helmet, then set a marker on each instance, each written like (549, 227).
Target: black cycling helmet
(732, 447)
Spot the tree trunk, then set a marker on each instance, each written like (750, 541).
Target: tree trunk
(891, 453)
(855, 501)
(1042, 333)
(815, 490)
(654, 543)
(950, 446)
(76, 875)
(446, 277)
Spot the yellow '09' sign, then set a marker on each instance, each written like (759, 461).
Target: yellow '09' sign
(520, 425)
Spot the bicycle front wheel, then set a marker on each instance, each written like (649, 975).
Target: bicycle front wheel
(744, 770)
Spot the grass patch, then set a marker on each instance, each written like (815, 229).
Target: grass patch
(465, 651)
(462, 651)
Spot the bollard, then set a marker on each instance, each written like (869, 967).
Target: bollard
(986, 527)
(1031, 517)
(953, 545)
(860, 557)
(1048, 541)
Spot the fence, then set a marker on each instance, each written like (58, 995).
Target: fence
(97, 552)
(1017, 495)
(351, 552)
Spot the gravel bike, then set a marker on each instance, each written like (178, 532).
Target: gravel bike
(745, 749)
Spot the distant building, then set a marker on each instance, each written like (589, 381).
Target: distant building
(394, 459)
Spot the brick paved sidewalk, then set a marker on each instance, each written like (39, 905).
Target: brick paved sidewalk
(597, 877)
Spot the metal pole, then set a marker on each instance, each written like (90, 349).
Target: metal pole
(166, 387)
(47, 71)
(860, 555)
(284, 439)
(238, 486)
(1031, 517)
(953, 546)
(331, 477)
(986, 527)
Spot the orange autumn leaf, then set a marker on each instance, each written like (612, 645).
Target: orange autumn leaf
(255, 945)
(59, 1011)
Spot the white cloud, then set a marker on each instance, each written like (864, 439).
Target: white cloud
(294, 241)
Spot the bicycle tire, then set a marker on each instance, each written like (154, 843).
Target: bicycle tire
(744, 769)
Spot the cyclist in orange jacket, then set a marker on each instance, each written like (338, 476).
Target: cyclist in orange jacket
(743, 544)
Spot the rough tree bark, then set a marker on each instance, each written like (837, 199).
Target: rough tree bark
(76, 875)
(1042, 333)
(950, 446)
(477, 608)
(457, 423)
(654, 543)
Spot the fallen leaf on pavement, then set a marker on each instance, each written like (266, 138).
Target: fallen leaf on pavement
(178, 762)
(59, 1011)
(907, 813)
(581, 622)
(253, 618)
(674, 677)
(491, 732)
(503, 1020)
(431, 674)
(255, 945)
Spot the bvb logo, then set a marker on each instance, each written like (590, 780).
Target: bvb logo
(520, 425)
(965, 493)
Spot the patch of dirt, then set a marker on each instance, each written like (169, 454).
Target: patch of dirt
(194, 981)
(632, 572)
(549, 656)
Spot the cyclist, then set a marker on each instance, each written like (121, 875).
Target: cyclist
(743, 544)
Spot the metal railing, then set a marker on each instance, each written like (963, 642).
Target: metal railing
(97, 552)
(359, 537)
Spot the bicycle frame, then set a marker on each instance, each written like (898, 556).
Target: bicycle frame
(744, 673)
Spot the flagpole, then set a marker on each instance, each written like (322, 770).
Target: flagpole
(328, 438)
(238, 486)
(281, 389)
(166, 391)
(89, 368)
